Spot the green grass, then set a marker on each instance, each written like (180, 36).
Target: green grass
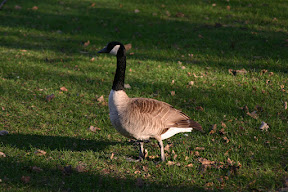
(43, 50)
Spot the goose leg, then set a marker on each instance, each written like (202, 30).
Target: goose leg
(141, 152)
(160, 142)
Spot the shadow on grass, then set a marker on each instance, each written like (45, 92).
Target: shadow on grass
(100, 26)
(55, 179)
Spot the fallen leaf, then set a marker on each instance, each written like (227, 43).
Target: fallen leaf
(189, 165)
(128, 46)
(127, 86)
(100, 99)
(214, 128)
(112, 155)
(285, 105)
(226, 139)
(191, 83)
(35, 8)
(2, 154)
(93, 4)
(17, 7)
(222, 131)
(196, 153)
(145, 168)
(167, 147)
(172, 82)
(223, 124)
(94, 129)
(168, 13)
(25, 179)
(4, 132)
(172, 93)
(200, 36)
(36, 169)
(253, 114)
(228, 7)
(237, 72)
(80, 169)
(63, 89)
(136, 11)
(199, 148)
(170, 163)
(92, 59)
(199, 108)
(39, 152)
(264, 126)
(179, 14)
(50, 97)
(86, 43)
(214, 5)
(205, 161)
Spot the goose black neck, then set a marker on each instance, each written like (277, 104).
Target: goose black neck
(118, 83)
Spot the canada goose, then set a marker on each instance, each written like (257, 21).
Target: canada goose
(142, 118)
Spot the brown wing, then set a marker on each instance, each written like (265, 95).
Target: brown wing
(161, 114)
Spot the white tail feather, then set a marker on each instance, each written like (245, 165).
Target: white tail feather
(174, 130)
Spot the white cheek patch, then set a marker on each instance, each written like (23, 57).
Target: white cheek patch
(115, 50)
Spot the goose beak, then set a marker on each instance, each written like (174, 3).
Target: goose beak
(104, 50)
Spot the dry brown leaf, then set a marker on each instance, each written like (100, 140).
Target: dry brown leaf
(92, 59)
(145, 168)
(172, 93)
(63, 89)
(25, 179)
(100, 99)
(205, 161)
(223, 124)
(136, 11)
(253, 114)
(222, 131)
(191, 83)
(137, 172)
(167, 147)
(170, 163)
(196, 153)
(228, 7)
(214, 128)
(179, 14)
(285, 105)
(172, 82)
(199, 148)
(186, 158)
(4, 132)
(199, 108)
(36, 169)
(214, 5)
(189, 165)
(237, 72)
(264, 126)
(39, 152)
(86, 43)
(2, 154)
(112, 155)
(17, 7)
(226, 139)
(93, 4)
(50, 97)
(35, 8)
(80, 168)
(94, 129)
(128, 46)
(127, 86)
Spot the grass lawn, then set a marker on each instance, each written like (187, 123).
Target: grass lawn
(224, 63)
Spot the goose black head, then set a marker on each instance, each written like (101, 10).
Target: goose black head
(114, 48)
